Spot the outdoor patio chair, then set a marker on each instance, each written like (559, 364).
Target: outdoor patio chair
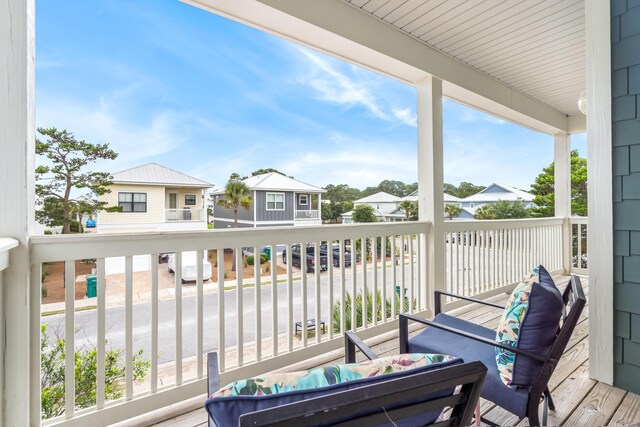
(414, 393)
(473, 342)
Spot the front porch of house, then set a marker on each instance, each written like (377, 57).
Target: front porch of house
(251, 324)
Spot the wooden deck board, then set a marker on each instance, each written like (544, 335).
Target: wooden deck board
(628, 413)
(580, 401)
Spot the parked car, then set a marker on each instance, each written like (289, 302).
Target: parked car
(190, 266)
(91, 223)
(311, 259)
(335, 256)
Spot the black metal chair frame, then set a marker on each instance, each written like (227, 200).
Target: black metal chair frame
(398, 393)
(572, 296)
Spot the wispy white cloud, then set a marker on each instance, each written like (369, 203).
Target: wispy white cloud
(335, 86)
(406, 116)
(110, 120)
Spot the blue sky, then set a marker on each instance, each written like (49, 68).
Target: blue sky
(164, 82)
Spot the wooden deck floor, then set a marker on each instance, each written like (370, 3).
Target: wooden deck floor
(580, 401)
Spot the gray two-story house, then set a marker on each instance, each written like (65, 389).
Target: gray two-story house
(276, 200)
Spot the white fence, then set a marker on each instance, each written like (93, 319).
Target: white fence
(579, 261)
(310, 214)
(251, 323)
(485, 257)
(185, 214)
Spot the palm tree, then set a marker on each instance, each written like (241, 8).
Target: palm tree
(410, 209)
(236, 196)
(452, 210)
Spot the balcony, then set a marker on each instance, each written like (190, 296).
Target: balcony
(252, 327)
(185, 215)
(308, 217)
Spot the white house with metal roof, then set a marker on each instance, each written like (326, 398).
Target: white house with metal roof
(495, 193)
(152, 197)
(385, 206)
(276, 200)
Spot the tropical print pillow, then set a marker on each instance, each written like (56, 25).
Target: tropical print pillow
(328, 375)
(530, 322)
(510, 324)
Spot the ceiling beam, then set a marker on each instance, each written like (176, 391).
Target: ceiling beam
(336, 28)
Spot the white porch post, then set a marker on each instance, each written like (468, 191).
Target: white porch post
(430, 183)
(17, 118)
(600, 191)
(562, 191)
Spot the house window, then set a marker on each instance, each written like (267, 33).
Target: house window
(303, 199)
(471, 205)
(132, 202)
(275, 201)
(189, 199)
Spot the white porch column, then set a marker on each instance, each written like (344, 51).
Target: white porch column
(600, 191)
(17, 118)
(431, 184)
(562, 191)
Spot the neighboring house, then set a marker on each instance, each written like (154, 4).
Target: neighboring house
(448, 198)
(385, 206)
(154, 198)
(276, 200)
(495, 193)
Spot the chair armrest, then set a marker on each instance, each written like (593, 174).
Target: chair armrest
(351, 341)
(404, 320)
(213, 375)
(438, 300)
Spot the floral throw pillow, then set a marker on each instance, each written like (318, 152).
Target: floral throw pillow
(530, 322)
(329, 375)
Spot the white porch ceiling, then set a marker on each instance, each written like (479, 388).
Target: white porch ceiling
(534, 46)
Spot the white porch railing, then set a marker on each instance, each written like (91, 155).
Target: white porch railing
(307, 215)
(579, 261)
(251, 327)
(6, 244)
(487, 257)
(186, 214)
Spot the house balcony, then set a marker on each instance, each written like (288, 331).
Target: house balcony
(307, 217)
(185, 215)
(253, 327)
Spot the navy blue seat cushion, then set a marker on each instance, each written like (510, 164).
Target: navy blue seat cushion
(225, 409)
(434, 340)
(529, 322)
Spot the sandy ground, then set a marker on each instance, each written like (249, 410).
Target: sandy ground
(115, 283)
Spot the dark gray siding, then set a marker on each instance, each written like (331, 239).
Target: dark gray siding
(222, 225)
(625, 51)
(303, 207)
(243, 214)
(263, 214)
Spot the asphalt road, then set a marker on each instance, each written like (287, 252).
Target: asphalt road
(86, 326)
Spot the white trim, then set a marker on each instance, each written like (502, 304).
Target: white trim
(600, 192)
(275, 202)
(336, 28)
(306, 196)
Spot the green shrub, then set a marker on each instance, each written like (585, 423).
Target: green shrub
(48, 232)
(336, 310)
(226, 275)
(52, 378)
(249, 260)
(44, 291)
(263, 258)
(45, 273)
